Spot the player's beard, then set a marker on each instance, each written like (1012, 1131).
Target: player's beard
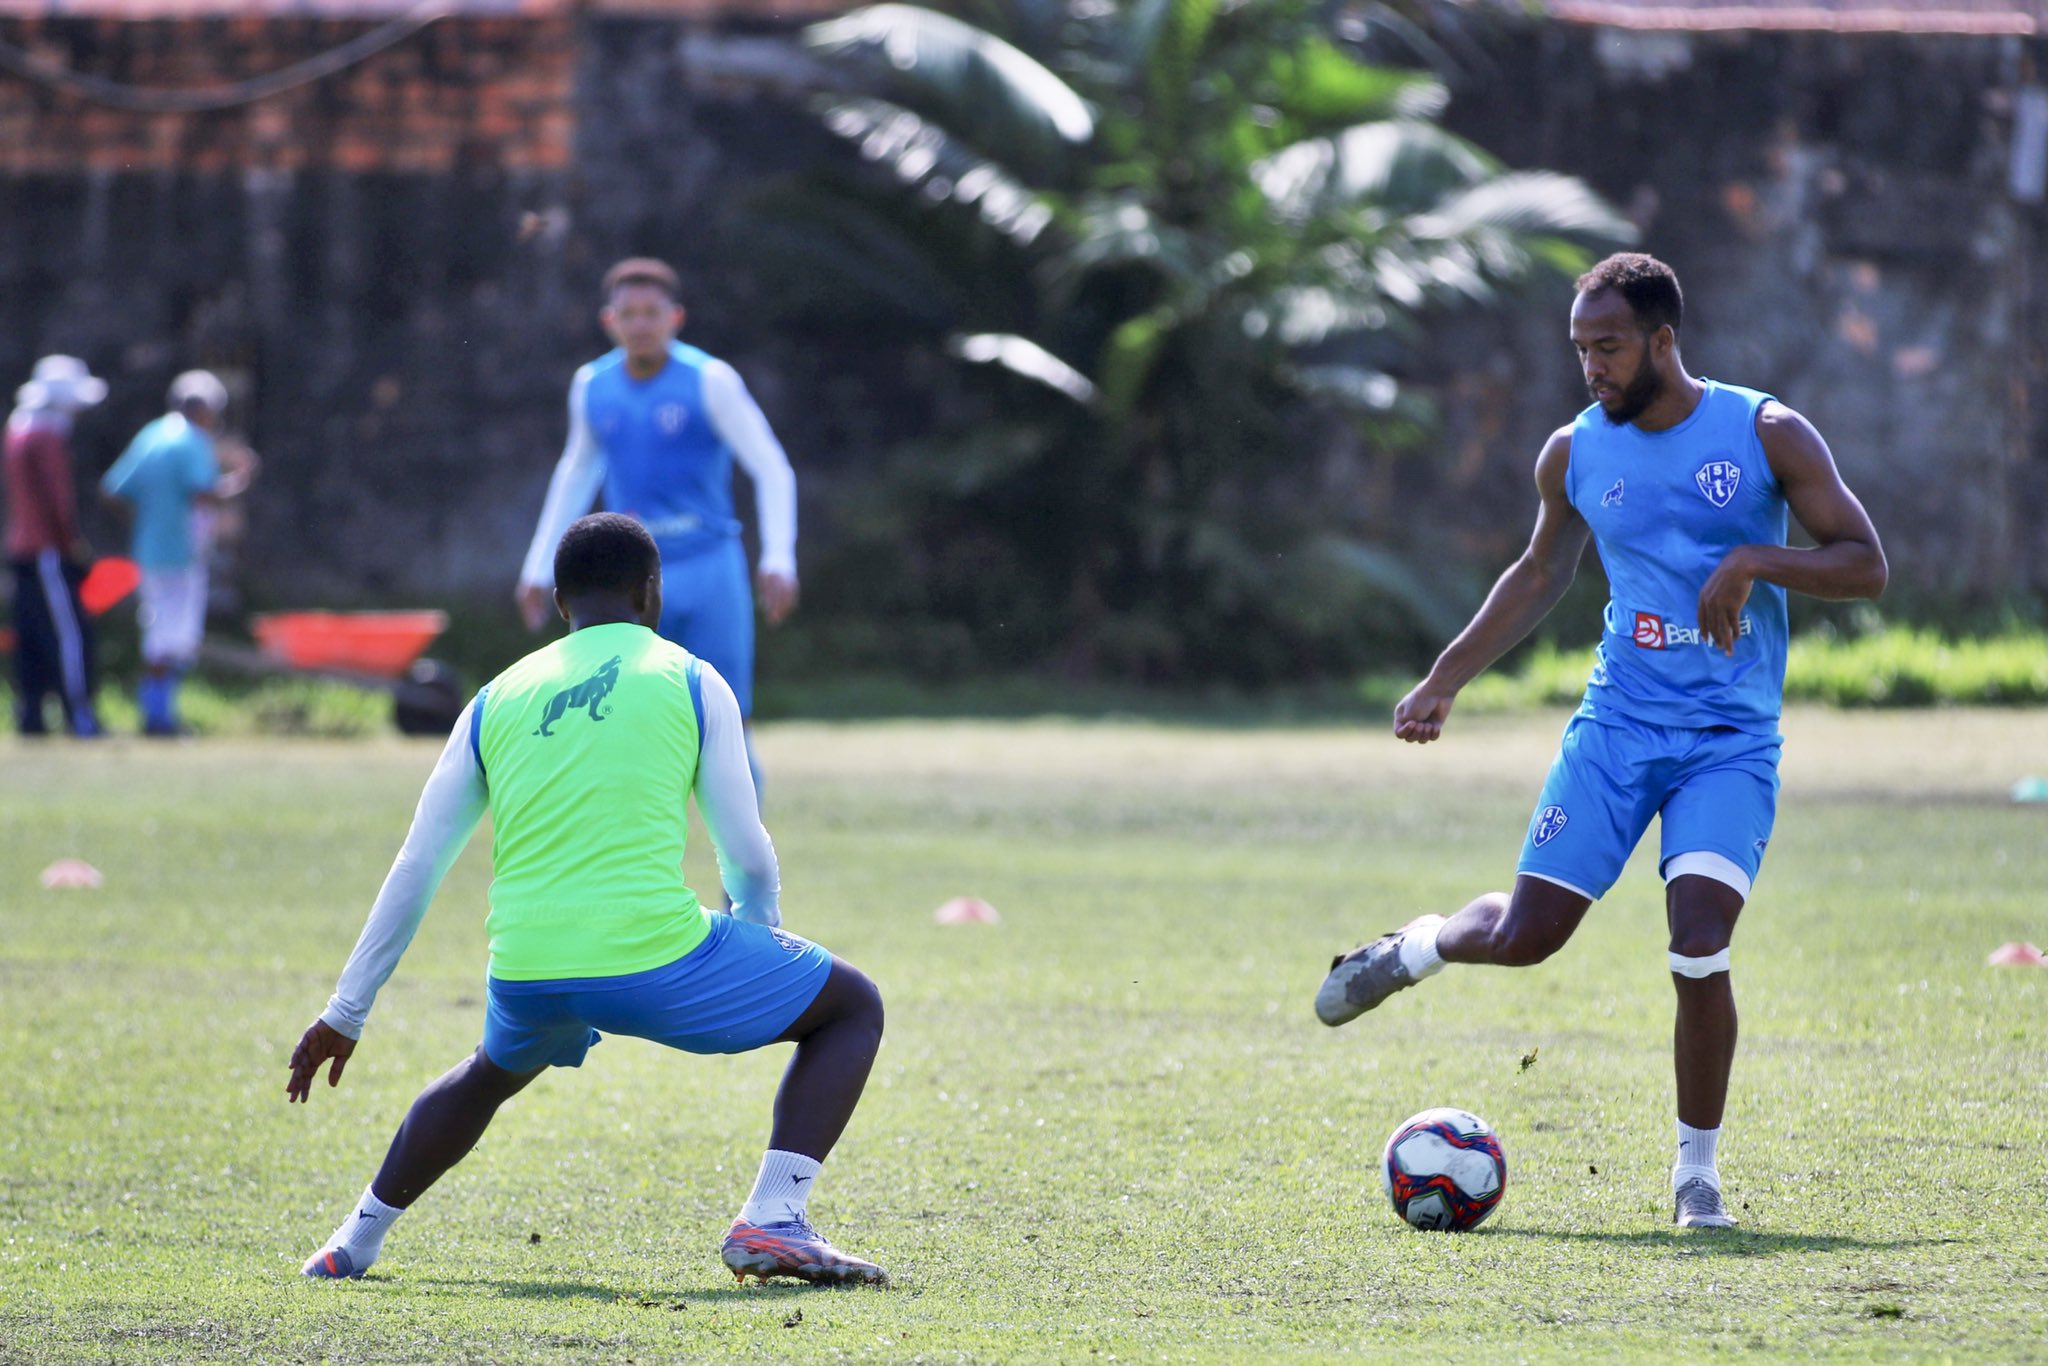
(1642, 391)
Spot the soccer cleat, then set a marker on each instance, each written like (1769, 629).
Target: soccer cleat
(1362, 978)
(793, 1249)
(332, 1264)
(1698, 1205)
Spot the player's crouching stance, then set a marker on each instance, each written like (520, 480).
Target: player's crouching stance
(586, 753)
(1685, 484)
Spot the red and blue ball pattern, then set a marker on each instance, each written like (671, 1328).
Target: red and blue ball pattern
(1444, 1169)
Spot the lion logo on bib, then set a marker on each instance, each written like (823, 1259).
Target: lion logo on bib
(589, 693)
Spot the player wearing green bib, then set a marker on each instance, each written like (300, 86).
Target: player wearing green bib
(586, 753)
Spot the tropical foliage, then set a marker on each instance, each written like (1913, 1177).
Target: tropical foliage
(1169, 248)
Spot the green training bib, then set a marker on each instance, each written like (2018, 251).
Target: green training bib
(589, 748)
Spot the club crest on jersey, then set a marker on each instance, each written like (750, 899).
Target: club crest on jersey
(1612, 498)
(1718, 480)
(1549, 821)
(670, 417)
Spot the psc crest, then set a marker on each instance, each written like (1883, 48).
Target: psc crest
(1718, 480)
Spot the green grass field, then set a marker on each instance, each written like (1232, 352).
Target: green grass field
(1108, 1128)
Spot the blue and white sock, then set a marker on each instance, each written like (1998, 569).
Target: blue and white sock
(781, 1189)
(1696, 1156)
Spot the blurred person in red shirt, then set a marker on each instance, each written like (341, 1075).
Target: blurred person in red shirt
(53, 644)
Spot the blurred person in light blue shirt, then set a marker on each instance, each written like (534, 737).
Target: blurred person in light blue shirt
(169, 468)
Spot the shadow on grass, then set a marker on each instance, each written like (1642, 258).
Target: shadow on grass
(612, 1294)
(1734, 1242)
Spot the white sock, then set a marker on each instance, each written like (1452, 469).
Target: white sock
(1696, 1156)
(362, 1233)
(1418, 947)
(781, 1189)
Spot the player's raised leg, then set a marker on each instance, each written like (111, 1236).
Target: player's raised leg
(836, 1038)
(440, 1129)
(1702, 911)
(1505, 930)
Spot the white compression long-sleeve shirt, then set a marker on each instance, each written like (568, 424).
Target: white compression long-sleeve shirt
(740, 424)
(454, 800)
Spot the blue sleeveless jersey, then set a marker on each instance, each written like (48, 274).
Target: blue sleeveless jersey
(664, 465)
(1665, 507)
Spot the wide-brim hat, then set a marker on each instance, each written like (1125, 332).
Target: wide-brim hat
(199, 386)
(61, 382)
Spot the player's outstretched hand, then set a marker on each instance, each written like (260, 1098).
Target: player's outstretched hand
(534, 602)
(1420, 716)
(1722, 600)
(777, 595)
(318, 1044)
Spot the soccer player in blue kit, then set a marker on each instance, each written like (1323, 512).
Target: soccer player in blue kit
(656, 425)
(1684, 484)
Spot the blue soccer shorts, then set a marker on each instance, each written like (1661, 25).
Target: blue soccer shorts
(707, 607)
(738, 990)
(1716, 790)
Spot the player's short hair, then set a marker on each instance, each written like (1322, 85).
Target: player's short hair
(606, 552)
(642, 270)
(1650, 286)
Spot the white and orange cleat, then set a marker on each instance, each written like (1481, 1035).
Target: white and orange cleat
(793, 1249)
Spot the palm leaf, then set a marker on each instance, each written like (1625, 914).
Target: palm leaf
(1025, 358)
(1373, 391)
(983, 90)
(1111, 232)
(1128, 360)
(1393, 165)
(1417, 591)
(1322, 87)
(1526, 203)
(1308, 314)
(1165, 40)
(925, 155)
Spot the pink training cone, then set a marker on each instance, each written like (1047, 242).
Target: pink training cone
(2016, 955)
(72, 872)
(966, 910)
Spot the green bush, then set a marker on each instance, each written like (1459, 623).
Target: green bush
(277, 706)
(1895, 667)
(1904, 667)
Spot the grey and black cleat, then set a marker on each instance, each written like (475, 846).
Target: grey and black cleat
(1698, 1205)
(1362, 978)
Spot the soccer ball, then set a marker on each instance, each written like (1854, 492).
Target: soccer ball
(1444, 1169)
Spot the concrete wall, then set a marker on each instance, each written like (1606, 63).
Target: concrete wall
(395, 269)
(1838, 210)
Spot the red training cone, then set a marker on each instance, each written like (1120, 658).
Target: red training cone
(966, 910)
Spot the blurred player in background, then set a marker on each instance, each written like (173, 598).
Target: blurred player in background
(1685, 485)
(656, 425)
(586, 753)
(219, 524)
(169, 469)
(53, 644)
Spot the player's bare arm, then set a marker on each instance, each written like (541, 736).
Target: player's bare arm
(1521, 597)
(1846, 559)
